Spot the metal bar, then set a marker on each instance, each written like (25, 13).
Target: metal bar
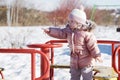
(30, 51)
(1, 75)
(33, 66)
(93, 12)
(44, 64)
(60, 66)
(119, 63)
(52, 62)
(107, 5)
(27, 51)
(113, 48)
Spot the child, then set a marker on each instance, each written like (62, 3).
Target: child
(82, 43)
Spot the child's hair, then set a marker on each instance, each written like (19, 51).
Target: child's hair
(91, 25)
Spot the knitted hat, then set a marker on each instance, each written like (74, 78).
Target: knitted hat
(78, 15)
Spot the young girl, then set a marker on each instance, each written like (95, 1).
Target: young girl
(82, 43)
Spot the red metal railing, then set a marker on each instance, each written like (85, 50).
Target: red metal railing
(112, 43)
(117, 67)
(1, 69)
(46, 49)
(47, 52)
(32, 52)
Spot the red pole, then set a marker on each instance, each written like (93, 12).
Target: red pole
(1, 75)
(112, 53)
(52, 62)
(44, 64)
(119, 63)
(33, 66)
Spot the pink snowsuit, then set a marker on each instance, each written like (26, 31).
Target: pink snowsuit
(83, 45)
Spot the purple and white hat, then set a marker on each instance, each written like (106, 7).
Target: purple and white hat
(78, 15)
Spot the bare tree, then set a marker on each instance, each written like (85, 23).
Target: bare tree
(13, 8)
(59, 16)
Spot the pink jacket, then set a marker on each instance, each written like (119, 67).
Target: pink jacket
(83, 45)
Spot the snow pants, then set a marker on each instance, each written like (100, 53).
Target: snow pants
(82, 73)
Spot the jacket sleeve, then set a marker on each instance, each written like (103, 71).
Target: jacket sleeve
(58, 33)
(92, 45)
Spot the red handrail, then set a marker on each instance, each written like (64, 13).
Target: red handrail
(45, 48)
(44, 45)
(112, 43)
(99, 41)
(51, 44)
(32, 52)
(1, 69)
(114, 59)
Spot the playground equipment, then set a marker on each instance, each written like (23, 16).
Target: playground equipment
(47, 60)
(101, 73)
(117, 50)
(46, 49)
(1, 69)
(33, 59)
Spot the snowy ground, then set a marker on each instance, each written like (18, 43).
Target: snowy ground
(17, 66)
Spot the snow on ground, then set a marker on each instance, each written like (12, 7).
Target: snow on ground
(17, 66)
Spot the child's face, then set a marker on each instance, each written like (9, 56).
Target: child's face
(73, 24)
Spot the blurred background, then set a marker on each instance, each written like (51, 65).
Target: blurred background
(55, 12)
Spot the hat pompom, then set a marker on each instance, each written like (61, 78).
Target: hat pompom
(81, 7)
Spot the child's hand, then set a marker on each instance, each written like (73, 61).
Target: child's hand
(46, 31)
(98, 59)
